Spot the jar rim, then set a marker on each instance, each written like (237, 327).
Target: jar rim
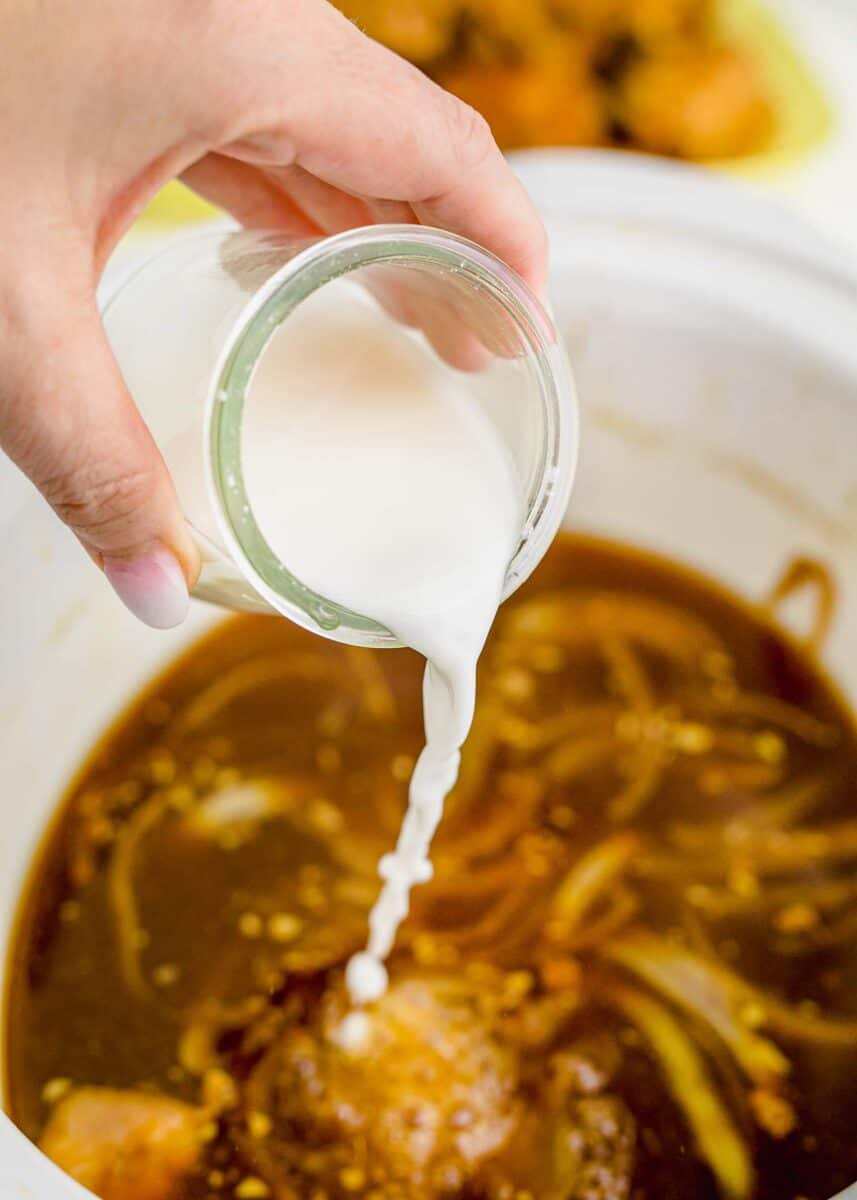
(271, 304)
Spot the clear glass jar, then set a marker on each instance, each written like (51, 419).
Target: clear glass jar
(190, 325)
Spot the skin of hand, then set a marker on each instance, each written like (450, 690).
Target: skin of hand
(279, 111)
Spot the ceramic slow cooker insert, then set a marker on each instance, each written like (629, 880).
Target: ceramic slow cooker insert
(713, 342)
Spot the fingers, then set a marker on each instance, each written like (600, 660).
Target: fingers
(332, 209)
(295, 202)
(249, 195)
(287, 198)
(68, 422)
(490, 206)
(356, 116)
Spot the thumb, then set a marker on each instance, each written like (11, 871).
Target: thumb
(68, 421)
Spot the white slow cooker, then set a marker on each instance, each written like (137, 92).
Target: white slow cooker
(714, 340)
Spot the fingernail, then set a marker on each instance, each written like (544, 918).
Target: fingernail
(151, 586)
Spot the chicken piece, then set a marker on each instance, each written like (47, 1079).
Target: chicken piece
(583, 1069)
(577, 1140)
(583, 1150)
(646, 21)
(695, 103)
(413, 1096)
(124, 1145)
(593, 1151)
(507, 31)
(555, 102)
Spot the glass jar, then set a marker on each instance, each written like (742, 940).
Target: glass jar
(189, 327)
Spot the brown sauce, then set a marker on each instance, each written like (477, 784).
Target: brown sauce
(633, 975)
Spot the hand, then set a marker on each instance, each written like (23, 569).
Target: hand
(280, 111)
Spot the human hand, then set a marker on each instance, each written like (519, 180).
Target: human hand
(281, 112)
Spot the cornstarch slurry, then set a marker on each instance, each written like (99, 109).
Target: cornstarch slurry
(380, 483)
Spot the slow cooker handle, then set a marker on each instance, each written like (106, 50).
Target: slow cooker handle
(25, 1173)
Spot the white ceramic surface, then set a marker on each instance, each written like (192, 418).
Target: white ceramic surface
(822, 184)
(713, 342)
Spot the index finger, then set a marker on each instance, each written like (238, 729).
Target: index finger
(359, 117)
(488, 204)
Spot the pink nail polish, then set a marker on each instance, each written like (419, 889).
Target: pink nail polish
(151, 586)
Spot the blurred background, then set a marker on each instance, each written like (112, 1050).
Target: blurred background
(765, 90)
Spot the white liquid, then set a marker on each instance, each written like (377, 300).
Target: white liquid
(380, 483)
